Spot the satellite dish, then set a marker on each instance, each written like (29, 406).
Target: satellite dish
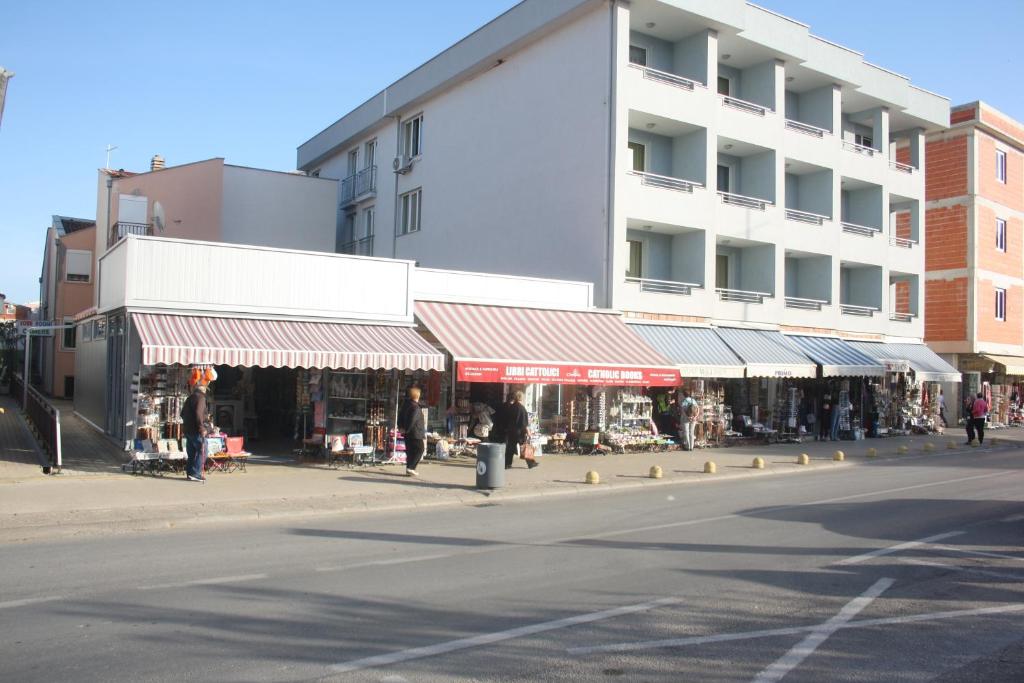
(159, 219)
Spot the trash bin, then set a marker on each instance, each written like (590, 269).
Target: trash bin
(490, 465)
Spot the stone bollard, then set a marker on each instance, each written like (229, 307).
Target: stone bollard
(872, 452)
(803, 459)
(710, 467)
(839, 456)
(593, 477)
(655, 472)
(758, 463)
(902, 449)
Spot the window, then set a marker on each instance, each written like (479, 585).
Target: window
(412, 137)
(1000, 304)
(723, 178)
(638, 55)
(314, 174)
(1000, 234)
(370, 153)
(722, 271)
(639, 156)
(353, 162)
(635, 267)
(412, 203)
(99, 329)
(863, 140)
(724, 86)
(348, 230)
(86, 332)
(369, 215)
(67, 341)
(1000, 165)
(77, 265)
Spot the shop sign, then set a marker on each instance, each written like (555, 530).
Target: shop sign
(552, 373)
(896, 365)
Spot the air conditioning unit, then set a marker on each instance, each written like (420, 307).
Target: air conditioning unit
(402, 164)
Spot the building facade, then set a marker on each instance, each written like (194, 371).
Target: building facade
(699, 162)
(975, 232)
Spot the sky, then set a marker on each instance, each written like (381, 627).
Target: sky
(250, 81)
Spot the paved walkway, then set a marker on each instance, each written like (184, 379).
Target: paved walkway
(84, 449)
(19, 456)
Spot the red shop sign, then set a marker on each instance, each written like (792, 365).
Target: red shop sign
(552, 373)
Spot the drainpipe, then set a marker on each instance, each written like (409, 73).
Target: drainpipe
(612, 132)
(394, 217)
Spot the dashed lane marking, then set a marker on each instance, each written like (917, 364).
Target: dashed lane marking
(856, 559)
(207, 582)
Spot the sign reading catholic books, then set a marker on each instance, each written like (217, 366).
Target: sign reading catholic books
(552, 373)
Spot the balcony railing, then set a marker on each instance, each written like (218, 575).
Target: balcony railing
(121, 229)
(807, 129)
(360, 247)
(862, 230)
(902, 317)
(901, 167)
(805, 304)
(861, 311)
(743, 105)
(664, 286)
(667, 182)
(806, 217)
(666, 77)
(902, 242)
(860, 149)
(746, 202)
(741, 296)
(359, 185)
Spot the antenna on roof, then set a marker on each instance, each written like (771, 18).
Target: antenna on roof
(110, 148)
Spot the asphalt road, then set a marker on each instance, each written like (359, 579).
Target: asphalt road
(907, 570)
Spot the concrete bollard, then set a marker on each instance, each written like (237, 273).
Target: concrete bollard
(872, 452)
(655, 472)
(803, 459)
(710, 467)
(839, 456)
(928, 447)
(593, 477)
(902, 449)
(758, 463)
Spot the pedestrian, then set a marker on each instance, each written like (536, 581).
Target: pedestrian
(825, 423)
(193, 426)
(979, 413)
(517, 430)
(688, 414)
(969, 418)
(499, 430)
(942, 409)
(414, 430)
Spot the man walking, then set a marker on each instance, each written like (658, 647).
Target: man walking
(942, 408)
(687, 421)
(969, 418)
(979, 413)
(414, 431)
(193, 420)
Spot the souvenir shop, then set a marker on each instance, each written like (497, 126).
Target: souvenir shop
(1000, 379)
(590, 391)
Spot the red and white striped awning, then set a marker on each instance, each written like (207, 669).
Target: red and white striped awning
(199, 340)
(529, 345)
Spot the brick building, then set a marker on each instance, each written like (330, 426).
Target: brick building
(974, 262)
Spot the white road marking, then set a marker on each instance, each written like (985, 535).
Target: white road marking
(806, 647)
(979, 553)
(387, 563)
(1013, 518)
(489, 638)
(969, 570)
(206, 582)
(898, 547)
(29, 601)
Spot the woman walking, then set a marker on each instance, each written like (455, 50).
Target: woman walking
(517, 430)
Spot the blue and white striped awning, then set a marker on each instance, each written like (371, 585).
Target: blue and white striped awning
(696, 351)
(837, 357)
(925, 363)
(767, 353)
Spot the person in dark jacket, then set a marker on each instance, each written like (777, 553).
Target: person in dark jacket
(414, 431)
(193, 419)
(498, 431)
(517, 430)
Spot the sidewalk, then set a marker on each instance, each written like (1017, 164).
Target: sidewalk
(119, 503)
(20, 458)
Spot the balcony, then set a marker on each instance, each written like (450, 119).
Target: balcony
(359, 186)
(902, 317)
(743, 105)
(904, 221)
(862, 207)
(808, 193)
(121, 229)
(860, 311)
(744, 270)
(805, 304)
(805, 217)
(860, 289)
(862, 230)
(755, 203)
(901, 167)
(745, 174)
(741, 296)
(664, 286)
(808, 280)
(807, 129)
(904, 293)
(666, 182)
(360, 247)
(856, 148)
(808, 108)
(667, 78)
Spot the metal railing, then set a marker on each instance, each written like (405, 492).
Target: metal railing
(902, 317)
(901, 167)
(862, 311)
(741, 296)
(666, 77)
(862, 230)
(805, 304)
(746, 202)
(43, 418)
(807, 129)
(664, 286)
(806, 217)
(359, 185)
(120, 230)
(743, 105)
(860, 149)
(667, 182)
(360, 247)
(904, 242)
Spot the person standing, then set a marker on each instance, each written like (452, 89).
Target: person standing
(687, 421)
(517, 430)
(969, 418)
(193, 421)
(942, 409)
(414, 431)
(979, 413)
(825, 423)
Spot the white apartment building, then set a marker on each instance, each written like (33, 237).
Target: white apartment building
(697, 160)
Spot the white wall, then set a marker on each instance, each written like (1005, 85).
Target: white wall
(500, 290)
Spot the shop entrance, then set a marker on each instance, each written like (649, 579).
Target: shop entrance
(258, 403)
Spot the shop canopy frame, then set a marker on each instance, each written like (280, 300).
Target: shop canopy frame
(767, 353)
(926, 364)
(698, 352)
(515, 345)
(181, 339)
(836, 357)
(1012, 365)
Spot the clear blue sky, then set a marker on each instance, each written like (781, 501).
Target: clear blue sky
(249, 81)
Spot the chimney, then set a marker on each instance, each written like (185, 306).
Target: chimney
(156, 163)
